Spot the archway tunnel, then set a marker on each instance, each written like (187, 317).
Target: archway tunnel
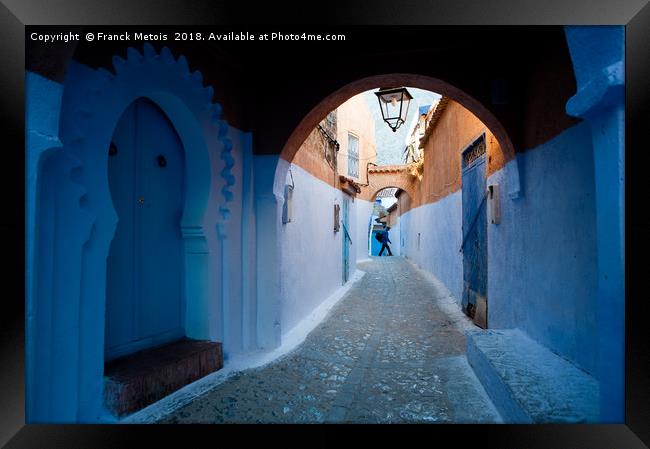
(409, 181)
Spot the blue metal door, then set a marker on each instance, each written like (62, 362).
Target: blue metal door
(346, 239)
(474, 245)
(144, 295)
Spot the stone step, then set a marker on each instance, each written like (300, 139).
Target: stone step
(527, 382)
(140, 379)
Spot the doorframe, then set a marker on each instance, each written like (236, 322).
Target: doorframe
(169, 335)
(70, 384)
(345, 218)
(463, 168)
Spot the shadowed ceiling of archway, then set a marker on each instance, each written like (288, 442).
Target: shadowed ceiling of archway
(522, 75)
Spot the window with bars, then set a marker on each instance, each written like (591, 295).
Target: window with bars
(353, 155)
(330, 145)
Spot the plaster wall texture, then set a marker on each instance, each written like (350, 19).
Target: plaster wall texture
(598, 55)
(270, 177)
(395, 237)
(311, 158)
(41, 123)
(363, 211)
(542, 259)
(440, 227)
(454, 130)
(379, 178)
(395, 229)
(311, 266)
(311, 252)
(248, 244)
(354, 117)
(236, 264)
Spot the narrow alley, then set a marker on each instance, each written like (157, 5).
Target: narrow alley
(387, 353)
(201, 246)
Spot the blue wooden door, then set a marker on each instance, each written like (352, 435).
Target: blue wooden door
(346, 239)
(144, 293)
(474, 245)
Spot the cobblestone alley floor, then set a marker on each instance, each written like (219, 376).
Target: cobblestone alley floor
(386, 353)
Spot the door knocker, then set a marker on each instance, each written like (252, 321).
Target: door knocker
(162, 162)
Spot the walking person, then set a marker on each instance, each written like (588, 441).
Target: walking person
(385, 240)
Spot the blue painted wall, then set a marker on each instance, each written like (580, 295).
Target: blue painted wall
(71, 222)
(542, 256)
(41, 141)
(599, 64)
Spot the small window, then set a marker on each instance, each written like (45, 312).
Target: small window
(353, 156)
(337, 217)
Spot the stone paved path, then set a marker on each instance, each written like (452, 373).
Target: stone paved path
(386, 353)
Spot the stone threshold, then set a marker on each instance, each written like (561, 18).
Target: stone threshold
(140, 379)
(527, 382)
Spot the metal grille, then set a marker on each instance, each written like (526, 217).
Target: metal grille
(330, 145)
(474, 151)
(353, 156)
(387, 193)
(330, 153)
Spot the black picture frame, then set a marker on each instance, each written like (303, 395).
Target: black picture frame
(15, 15)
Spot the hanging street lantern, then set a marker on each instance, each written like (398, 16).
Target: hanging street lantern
(394, 105)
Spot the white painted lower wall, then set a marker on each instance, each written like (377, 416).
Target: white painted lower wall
(363, 211)
(440, 227)
(395, 238)
(311, 266)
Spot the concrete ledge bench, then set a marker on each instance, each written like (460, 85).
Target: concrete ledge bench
(140, 379)
(527, 382)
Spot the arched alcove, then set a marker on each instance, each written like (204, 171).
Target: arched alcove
(92, 104)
